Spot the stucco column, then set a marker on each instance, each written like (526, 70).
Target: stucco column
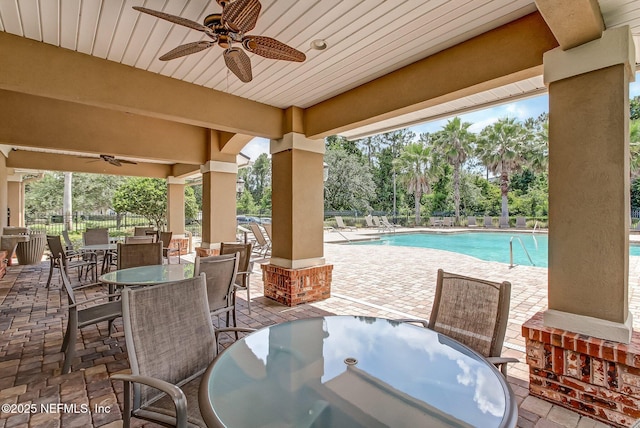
(15, 200)
(297, 201)
(589, 186)
(3, 190)
(297, 272)
(218, 203)
(175, 204)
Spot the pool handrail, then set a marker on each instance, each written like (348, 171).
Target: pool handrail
(511, 251)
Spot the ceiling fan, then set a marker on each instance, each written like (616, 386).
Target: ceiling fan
(227, 28)
(111, 159)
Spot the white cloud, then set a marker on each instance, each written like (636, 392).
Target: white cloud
(256, 147)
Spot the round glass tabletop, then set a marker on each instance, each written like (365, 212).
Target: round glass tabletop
(149, 275)
(353, 371)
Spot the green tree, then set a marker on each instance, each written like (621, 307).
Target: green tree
(246, 204)
(143, 196)
(350, 184)
(338, 142)
(191, 207)
(384, 172)
(94, 192)
(455, 143)
(259, 176)
(417, 168)
(634, 107)
(44, 195)
(503, 148)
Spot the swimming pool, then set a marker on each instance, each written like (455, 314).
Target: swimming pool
(482, 245)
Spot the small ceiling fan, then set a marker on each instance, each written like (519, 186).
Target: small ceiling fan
(226, 28)
(111, 159)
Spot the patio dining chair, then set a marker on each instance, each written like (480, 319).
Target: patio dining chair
(221, 274)
(148, 239)
(245, 266)
(474, 312)
(81, 315)
(167, 249)
(63, 260)
(97, 236)
(143, 231)
(135, 255)
(170, 342)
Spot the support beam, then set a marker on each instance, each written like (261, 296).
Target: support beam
(56, 162)
(505, 55)
(574, 22)
(37, 68)
(27, 120)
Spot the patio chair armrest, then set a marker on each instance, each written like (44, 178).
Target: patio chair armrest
(176, 394)
(501, 363)
(424, 323)
(93, 284)
(230, 330)
(106, 296)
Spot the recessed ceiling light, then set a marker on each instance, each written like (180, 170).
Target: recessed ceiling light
(319, 44)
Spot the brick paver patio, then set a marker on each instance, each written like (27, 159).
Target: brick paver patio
(393, 282)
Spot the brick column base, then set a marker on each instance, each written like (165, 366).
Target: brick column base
(206, 252)
(293, 287)
(591, 376)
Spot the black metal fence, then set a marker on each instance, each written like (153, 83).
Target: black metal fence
(54, 224)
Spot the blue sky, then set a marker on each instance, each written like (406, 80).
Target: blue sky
(523, 109)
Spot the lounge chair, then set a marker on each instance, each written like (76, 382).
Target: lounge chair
(262, 245)
(471, 221)
(386, 221)
(488, 222)
(521, 222)
(456, 297)
(379, 224)
(435, 222)
(504, 223)
(342, 226)
(369, 221)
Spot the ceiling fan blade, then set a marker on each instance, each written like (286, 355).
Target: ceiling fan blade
(241, 15)
(127, 161)
(271, 48)
(175, 19)
(114, 162)
(239, 63)
(186, 49)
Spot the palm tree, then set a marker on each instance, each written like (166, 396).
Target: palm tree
(504, 148)
(417, 169)
(454, 142)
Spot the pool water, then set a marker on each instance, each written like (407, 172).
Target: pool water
(485, 246)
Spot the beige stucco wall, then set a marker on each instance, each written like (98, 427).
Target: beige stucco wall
(15, 202)
(589, 194)
(3, 190)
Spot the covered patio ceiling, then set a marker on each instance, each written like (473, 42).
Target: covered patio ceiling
(82, 78)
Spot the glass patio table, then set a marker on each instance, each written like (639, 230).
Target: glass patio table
(353, 371)
(148, 275)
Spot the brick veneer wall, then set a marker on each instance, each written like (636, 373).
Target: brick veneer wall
(595, 377)
(292, 287)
